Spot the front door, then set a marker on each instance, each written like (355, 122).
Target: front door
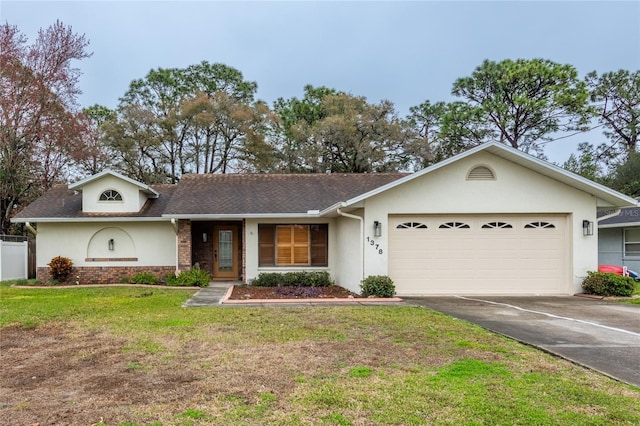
(225, 252)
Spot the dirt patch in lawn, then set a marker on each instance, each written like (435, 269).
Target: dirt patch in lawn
(248, 292)
(54, 375)
(61, 375)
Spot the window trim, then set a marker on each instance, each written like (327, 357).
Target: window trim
(114, 197)
(317, 245)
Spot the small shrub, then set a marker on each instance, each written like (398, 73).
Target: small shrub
(318, 279)
(378, 286)
(191, 278)
(171, 280)
(608, 284)
(295, 278)
(60, 268)
(268, 279)
(144, 278)
(124, 280)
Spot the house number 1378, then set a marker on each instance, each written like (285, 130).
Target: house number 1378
(375, 245)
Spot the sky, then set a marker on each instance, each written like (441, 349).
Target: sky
(405, 51)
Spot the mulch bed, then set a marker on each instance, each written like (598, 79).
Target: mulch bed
(248, 292)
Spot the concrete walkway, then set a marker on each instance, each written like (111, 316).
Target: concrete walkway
(209, 296)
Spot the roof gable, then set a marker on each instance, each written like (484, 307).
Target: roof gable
(61, 204)
(607, 197)
(111, 192)
(84, 182)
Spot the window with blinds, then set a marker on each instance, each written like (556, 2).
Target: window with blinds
(293, 245)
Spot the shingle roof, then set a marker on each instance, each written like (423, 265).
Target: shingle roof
(220, 194)
(62, 202)
(629, 215)
(223, 194)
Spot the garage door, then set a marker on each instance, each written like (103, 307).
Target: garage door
(478, 254)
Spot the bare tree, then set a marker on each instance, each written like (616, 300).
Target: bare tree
(40, 122)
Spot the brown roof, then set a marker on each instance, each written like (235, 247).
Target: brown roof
(269, 193)
(61, 202)
(221, 194)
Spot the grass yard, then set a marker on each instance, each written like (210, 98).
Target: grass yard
(134, 356)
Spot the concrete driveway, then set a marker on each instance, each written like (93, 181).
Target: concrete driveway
(601, 335)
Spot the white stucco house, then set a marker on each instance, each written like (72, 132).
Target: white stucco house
(492, 220)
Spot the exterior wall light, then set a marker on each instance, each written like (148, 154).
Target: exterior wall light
(587, 227)
(111, 244)
(377, 229)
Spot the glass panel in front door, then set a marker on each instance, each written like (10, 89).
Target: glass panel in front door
(225, 250)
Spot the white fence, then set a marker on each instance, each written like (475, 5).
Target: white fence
(14, 261)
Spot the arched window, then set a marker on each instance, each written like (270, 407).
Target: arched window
(496, 225)
(110, 195)
(411, 225)
(454, 225)
(538, 225)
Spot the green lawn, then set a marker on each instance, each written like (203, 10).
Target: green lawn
(134, 356)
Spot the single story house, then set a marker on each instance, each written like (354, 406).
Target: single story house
(619, 238)
(492, 220)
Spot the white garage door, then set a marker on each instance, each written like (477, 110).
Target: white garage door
(478, 254)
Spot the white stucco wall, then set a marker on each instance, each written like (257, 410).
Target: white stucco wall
(251, 235)
(515, 190)
(348, 261)
(152, 243)
(132, 198)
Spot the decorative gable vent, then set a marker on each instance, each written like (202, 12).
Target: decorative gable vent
(481, 173)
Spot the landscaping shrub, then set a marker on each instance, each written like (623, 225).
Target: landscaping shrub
(608, 284)
(191, 278)
(297, 278)
(378, 286)
(60, 268)
(144, 278)
(318, 279)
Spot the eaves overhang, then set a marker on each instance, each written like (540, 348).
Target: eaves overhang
(240, 216)
(619, 225)
(88, 219)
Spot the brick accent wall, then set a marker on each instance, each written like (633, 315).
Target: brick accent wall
(107, 274)
(184, 245)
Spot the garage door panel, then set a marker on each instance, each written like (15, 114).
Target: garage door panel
(516, 260)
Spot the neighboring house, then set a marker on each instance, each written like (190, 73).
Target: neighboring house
(492, 220)
(619, 238)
